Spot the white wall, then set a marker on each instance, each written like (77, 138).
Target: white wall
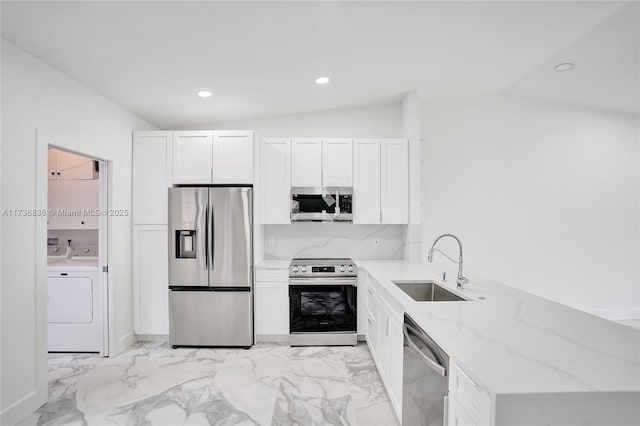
(35, 96)
(378, 121)
(544, 197)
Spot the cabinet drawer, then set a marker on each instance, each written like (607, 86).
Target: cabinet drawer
(462, 418)
(469, 394)
(272, 275)
(372, 307)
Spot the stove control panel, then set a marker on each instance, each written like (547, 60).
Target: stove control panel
(322, 267)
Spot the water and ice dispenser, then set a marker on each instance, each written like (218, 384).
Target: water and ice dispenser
(185, 244)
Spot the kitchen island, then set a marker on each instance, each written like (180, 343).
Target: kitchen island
(534, 361)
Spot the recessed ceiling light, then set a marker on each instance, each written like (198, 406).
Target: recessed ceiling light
(322, 79)
(565, 66)
(204, 93)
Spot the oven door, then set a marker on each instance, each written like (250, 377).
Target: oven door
(319, 305)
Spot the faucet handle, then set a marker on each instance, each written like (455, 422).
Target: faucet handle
(461, 282)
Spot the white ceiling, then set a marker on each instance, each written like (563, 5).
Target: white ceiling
(260, 58)
(607, 67)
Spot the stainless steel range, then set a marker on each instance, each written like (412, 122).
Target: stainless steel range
(322, 302)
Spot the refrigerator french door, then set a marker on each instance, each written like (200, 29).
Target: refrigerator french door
(210, 266)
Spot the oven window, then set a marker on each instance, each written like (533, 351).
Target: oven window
(315, 309)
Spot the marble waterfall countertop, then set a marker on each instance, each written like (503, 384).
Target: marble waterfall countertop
(514, 342)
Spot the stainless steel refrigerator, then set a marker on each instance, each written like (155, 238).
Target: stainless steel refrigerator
(210, 266)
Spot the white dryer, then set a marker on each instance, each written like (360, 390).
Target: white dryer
(74, 304)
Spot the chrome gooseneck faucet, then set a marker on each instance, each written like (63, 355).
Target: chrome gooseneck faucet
(461, 279)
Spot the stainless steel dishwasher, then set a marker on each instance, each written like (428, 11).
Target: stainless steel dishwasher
(424, 379)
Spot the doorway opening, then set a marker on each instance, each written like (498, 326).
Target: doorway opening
(77, 277)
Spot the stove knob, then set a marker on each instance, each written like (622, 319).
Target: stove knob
(350, 268)
(295, 268)
(303, 268)
(342, 268)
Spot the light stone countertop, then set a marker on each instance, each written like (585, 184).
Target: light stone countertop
(513, 342)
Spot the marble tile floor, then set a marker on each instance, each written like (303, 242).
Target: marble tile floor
(269, 384)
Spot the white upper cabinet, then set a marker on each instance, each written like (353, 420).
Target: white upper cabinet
(192, 157)
(394, 193)
(67, 166)
(337, 162)
(233, 157)
(151, 177)
(212, 157)
(366, 181)
(275, 180)
(380, 181)
(306, 162)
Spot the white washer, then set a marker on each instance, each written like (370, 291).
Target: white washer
(73, 305)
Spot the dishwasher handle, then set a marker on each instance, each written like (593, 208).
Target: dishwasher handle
(431, 363)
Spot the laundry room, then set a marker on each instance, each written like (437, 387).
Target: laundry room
(74, 311)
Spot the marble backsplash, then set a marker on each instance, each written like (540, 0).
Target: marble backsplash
(331, 239)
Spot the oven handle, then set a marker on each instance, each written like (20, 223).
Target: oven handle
(323, 281)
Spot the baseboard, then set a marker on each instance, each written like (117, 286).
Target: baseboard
(272, 338)
(616, 315)
(152, 337)
(125, 342)
(21, 409)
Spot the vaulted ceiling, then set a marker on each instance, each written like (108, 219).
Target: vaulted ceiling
(261, 58)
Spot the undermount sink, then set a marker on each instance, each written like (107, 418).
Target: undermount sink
(427, 291)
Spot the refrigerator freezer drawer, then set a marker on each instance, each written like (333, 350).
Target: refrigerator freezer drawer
(210, 318)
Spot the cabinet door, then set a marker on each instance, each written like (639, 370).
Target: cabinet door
(192, 157)
(366, 181)
(52, 161)
(306, 162)
(383, 351)
(394, 194)
(151, 279)
(151, 177)
(275, 180)
(337, 162)
(233, 157)
(272, 308)
(396, 347)
(73, 203)
(73, 166)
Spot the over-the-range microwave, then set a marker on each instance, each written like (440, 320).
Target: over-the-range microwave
(324, 204)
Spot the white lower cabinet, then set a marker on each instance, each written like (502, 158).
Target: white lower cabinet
(469, 403)
(396, 352)
(272, 305)
(385, 339)
(151, 279)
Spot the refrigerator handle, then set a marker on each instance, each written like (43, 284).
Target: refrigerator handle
(213, 239)
(206, 236)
